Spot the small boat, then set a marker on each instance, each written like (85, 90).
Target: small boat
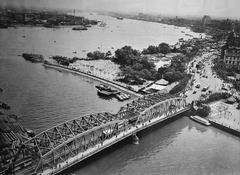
(128, 96)
(125, 96)
(4, 106)
(87, 25)
(80, 28)
(120, 18)
(119, 97)
(200, 120)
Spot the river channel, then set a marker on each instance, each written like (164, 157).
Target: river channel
(45, 97)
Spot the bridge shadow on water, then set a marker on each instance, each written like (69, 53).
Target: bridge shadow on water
(123, 151)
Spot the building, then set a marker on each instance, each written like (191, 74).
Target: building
(162, 82)
(231, 52)
(206, 20)
(232, 57)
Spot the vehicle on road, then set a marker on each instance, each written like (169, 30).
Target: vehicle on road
(197, 86)
(205, 89)
(194, 92)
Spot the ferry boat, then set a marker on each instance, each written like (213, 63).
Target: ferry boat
(106, 90)
(200, 120)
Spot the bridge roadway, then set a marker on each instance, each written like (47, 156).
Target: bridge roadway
(66, 144)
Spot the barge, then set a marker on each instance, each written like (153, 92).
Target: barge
(200, 120)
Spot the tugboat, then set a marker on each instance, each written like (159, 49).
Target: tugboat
(106, 90)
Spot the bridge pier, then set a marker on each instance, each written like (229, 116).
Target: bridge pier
(135, 139)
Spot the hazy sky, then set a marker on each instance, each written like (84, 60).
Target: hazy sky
(228, 8)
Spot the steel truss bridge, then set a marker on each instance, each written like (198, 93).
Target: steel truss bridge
(68, 143)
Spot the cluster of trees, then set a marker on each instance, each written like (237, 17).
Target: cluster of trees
(176, 70)
(97, 55)
(203, 111)
(135, 68)
(218, 96)
(64, 60)
(163, 48)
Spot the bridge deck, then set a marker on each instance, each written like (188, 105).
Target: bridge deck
(66, 144)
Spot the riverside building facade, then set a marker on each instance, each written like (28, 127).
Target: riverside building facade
(232, 52)
(232, 57)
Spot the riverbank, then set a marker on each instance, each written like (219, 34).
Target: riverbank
(111, 83)
(48, 19)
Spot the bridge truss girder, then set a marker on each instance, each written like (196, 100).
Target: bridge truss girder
(167, 107)
(68, 139)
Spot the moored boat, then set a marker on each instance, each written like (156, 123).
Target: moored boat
(119, 97)
(106, 90)
(80, 28)
(105, 93)
(200, 120)
(35, 58)
(120, 18)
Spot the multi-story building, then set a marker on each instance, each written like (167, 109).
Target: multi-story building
(232, 57)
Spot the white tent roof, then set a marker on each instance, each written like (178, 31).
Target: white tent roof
(156, 87)
(162, 82)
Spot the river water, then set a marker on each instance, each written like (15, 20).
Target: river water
(45, 97)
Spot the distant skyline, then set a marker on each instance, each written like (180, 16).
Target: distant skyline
(216, 8)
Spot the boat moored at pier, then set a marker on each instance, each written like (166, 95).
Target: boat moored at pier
(106, 90)
(200, 120)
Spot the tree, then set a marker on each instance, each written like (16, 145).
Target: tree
(125, 55)
(203, 111)
(178, 63)
(164, 48)
(173, 76)
(96, 55)
(150, 50)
